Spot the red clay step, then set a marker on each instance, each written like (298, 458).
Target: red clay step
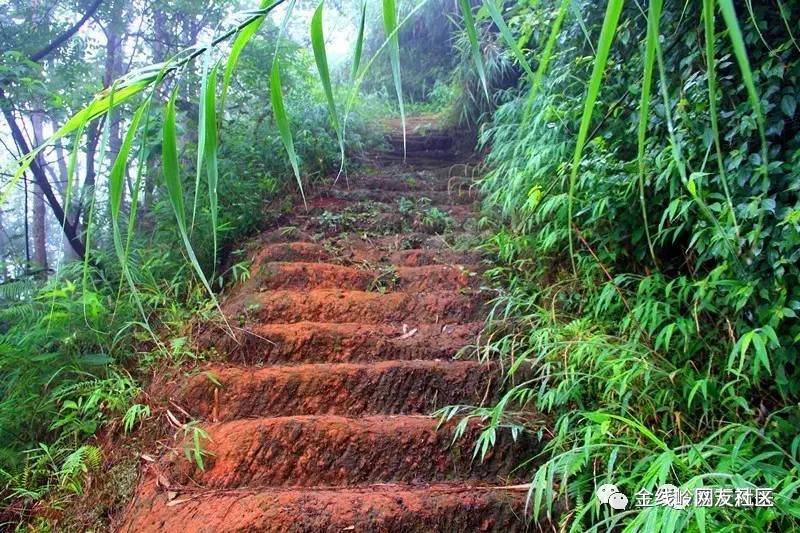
(414, 182)
(303, 451)
(390, 387)
(314, 342)
(456, 195)
(290, 251)
(334, 305)
(388, 507)
(357, 251)
(274, 276)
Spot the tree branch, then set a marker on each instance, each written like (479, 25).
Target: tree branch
(39, 175)
(64, 37)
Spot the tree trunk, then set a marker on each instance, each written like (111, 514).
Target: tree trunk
(40, 176)
(39, 210)
(4, 250)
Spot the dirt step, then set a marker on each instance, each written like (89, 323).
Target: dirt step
(422, 159)
(334, 305)
(405, 240)
(387, 507)
(412, 182)
(349, 251)
(272, 276)
(300, 251)
(433, 198)
(385, 219)
(390, 387)
(305, 451)
(313, 342)
(415, 143)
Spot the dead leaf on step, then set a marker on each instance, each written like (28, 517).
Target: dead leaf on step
(407, 334)
(171, 495)
(173, 503)
(349, 528)
(162, 481)
(147, 458)
(173, 420)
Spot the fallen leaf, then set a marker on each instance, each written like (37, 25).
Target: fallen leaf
(408, 334)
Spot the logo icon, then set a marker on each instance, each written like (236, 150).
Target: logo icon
(608, 493)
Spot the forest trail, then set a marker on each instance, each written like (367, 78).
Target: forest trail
(319, 414)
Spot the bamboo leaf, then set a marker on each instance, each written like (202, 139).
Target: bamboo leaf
(172, 178)
(363, 73)
(651, 40)
(547, 54)
(740, 51)
(544, 60)
(117, 175)
(282, 121)
(390, 27)
(211, 157)
(201, 133)
(321, 58)
(359, 41)
(98, 107)
(242, 38)
(708, 25)
(169, 156)
(472, 35)
(505, 32)
(607, 32)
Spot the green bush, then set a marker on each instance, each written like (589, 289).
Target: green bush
(678, 365)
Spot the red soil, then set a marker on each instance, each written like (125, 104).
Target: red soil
(343, 345)
(389, 387)
(315, 342)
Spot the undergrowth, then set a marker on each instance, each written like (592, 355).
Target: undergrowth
(664, 349)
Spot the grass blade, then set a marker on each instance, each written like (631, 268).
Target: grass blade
(172, 178)
(244, 36)
(390, 25)
(610, 21)
(359, 42)
(116, 178)
(354, 90)
(651, 40)
(547, 54)
(708, 26)
(740, 51)
(211, 158)
(505, 32)
(321, 58)
(201, 134)
(472, 35)
(282, 120)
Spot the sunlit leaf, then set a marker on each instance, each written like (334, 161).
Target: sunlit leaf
(390, 26)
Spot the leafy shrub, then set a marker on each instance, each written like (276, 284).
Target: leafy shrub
(669, 352)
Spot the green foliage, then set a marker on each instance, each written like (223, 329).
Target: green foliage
(193, 449)
(663, 344)
(65, 347)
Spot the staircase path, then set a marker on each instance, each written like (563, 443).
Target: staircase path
(319, 412)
